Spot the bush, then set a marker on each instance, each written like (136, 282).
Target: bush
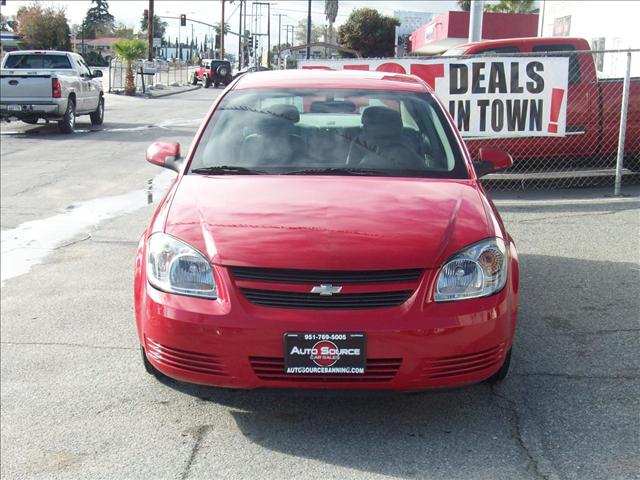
(95, 59)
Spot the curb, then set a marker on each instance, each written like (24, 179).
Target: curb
(168, 94)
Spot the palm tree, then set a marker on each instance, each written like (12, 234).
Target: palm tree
(512, 6)
(331, 12)
(129, 51)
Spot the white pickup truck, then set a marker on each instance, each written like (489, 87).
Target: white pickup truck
(51, 85)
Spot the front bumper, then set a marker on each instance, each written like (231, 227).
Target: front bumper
(418, 345)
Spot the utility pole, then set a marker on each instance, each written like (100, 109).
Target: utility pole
(191, 44)
(222, 32)
(240, 38)
(475, 20)
(150, 31)
(309, 31)
(268, 35)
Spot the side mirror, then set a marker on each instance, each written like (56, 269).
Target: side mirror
(492, 160)
(165, 154)
(96, 73)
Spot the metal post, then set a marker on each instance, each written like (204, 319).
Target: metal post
(623, 125)
(475, 20)
(222, 33)
(240, 37)
(150, 31)
(279, 32)
(309, 31)
(268, 35)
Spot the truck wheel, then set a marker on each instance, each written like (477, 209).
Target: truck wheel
(150, 369)
(68, 122)
(222, 71)
(207, 81)
(98, 116)
(194, 80)
(504, 369)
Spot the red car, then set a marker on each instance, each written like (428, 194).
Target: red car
(327, 230)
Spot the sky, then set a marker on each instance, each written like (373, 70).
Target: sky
(129, 12)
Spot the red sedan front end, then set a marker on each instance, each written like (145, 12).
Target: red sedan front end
(298, 262)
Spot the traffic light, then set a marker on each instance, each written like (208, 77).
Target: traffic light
(250, 42)
(256, 42)
(145, 15)
(183, 20)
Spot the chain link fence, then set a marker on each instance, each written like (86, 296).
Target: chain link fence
(157, 74)
(602, 126)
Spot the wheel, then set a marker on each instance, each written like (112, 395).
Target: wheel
(207, 81)
(98, 116)
(150, 369)
(194, 80)
(504, 369)
(30, 121)
(222, 71)
(68, 122)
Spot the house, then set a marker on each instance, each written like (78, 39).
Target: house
(102, 45)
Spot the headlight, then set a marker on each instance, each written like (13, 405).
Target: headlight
(175, 267)
(476, 271)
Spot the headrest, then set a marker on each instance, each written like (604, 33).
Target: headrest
(381, 116)
(285, 112)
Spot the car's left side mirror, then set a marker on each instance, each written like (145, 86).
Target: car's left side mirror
(96, 73)
(492, 160)
(165, 154)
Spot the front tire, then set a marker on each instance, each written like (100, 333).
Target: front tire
(504, 369)
(149, 368)
(68, 122)
(97, 117)
(194, 80)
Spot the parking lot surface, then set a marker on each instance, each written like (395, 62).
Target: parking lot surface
(76, 402)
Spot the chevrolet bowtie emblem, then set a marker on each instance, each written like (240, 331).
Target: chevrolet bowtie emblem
(326, 290)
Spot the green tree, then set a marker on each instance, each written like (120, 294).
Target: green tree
(129, 51)
(98, 21)
(369, 32)
(464, 5)
(512, 6)
(43, 28)
(317, 31)
(7, 24)
(331, 12)
(122, 31)
(159, 26)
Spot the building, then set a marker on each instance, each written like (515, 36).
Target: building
(611, 25)
(452, 28)
(409, 21)
(102, 45)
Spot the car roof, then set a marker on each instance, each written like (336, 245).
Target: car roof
(319, 78)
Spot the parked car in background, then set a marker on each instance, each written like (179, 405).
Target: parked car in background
(249, 70)
(327, 230)
(213, 72)
(593, 106)
(50, 85)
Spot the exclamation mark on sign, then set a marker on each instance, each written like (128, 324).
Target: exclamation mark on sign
(556, 105)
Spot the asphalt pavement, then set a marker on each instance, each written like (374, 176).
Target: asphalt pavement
(76, 402)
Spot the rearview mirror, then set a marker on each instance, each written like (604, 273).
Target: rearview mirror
(96, 73)
(492, 160)
(165, 154)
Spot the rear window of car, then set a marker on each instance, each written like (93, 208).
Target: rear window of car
(574, 64)
(35, 61)
(394, 133)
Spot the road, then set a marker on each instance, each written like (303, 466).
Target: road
(76, 402)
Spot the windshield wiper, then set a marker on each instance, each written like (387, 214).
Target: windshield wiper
(337, 171)
(226, 169)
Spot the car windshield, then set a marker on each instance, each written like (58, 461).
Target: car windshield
(333, 132)
(27, 61)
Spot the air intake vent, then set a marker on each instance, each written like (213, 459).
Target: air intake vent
(346, 301)
(443, 367)
(325, 276)
(184, 360)
(378, 370)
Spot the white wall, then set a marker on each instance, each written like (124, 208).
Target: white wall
(615, 21)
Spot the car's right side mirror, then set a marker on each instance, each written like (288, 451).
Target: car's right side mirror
(165, 154)
(492, 160)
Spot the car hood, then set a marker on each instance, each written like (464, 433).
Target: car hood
(328, 222)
